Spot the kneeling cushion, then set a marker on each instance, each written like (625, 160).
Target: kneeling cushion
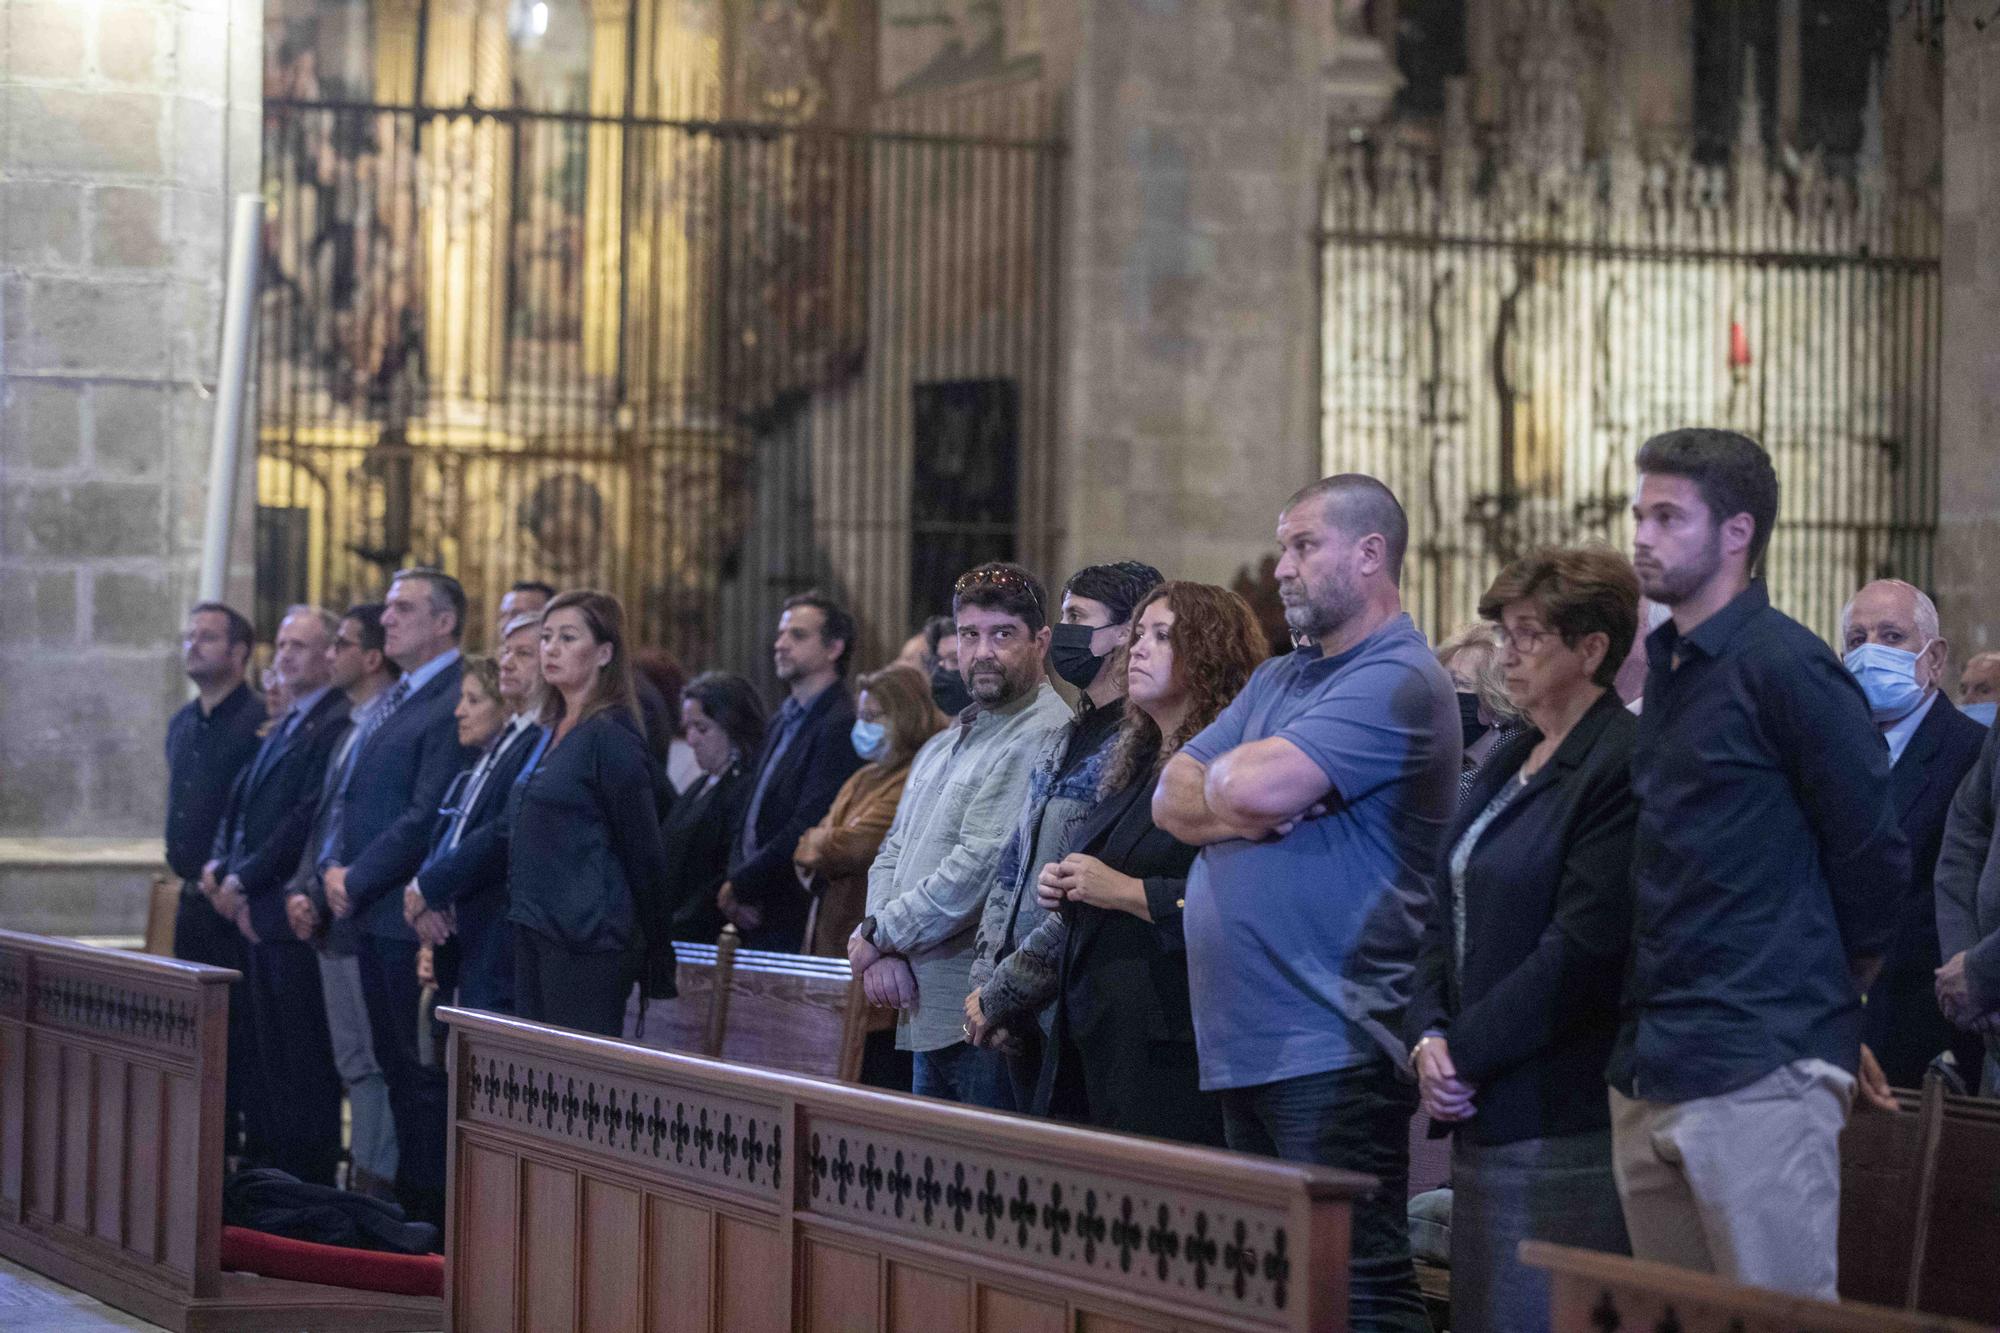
(247, 1251)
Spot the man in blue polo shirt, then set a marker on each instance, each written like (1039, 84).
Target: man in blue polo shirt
(1321, 798)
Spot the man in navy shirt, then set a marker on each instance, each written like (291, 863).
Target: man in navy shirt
(1320, 799)
(1766, 872)
(208, 742)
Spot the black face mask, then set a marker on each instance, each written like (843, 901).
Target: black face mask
(1468, 718)
(1070, 655)
(948, 691)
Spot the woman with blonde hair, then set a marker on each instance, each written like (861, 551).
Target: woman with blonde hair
(585, 871)
(1121, 1051)
(1485, 713)
(893, 716)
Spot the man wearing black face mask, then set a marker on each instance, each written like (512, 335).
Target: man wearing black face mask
(1014, 972)
(947, 685)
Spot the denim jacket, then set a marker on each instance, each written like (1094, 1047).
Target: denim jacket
(1020, 946)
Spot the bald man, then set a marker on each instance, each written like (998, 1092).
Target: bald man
(1889, 632)
(1979, 687)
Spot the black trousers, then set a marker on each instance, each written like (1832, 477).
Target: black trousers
(417, 1091)
(295, 1060)
(558, 985)
(202, 936)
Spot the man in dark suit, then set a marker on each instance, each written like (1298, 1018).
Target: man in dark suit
(1889, 633)
(388, 799)
(258, 846)
(808, 754)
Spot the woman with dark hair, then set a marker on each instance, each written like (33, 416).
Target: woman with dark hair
(723, 721)
(1121, 1052)
(893, 717)
(1515, 1007)
(586, 875)
(660, 706)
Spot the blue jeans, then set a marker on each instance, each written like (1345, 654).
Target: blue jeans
(1355, 1120)
(964, 1073)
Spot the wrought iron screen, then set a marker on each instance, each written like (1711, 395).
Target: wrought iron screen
(681, 360)
(1501, 336)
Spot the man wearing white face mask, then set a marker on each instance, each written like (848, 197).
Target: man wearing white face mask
(1890, 633)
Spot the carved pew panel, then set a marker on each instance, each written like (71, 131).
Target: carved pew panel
(111, 1105)
(1594, 1292)
(636, 1189)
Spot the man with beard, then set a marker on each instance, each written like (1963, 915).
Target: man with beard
(808, 756)
(928, 886)
(1764, 872)
(1320, 799)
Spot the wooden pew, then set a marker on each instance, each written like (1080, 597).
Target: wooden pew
(1919, 1195)
(1594, 1292)
(598, 1185)
(787, 1011)
(111, 1085)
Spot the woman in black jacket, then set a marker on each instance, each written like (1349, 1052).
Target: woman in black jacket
(723, 721)
(585, 871)
(1121, 1052)
(1516, 1000)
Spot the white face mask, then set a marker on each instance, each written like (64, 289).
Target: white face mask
(1888, 676)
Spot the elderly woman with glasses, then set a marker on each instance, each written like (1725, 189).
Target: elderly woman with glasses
(1516, 1001)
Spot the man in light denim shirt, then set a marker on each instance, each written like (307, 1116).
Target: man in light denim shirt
(929, 883)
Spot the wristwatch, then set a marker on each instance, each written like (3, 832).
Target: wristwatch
(866, 930)
(1418, 1048)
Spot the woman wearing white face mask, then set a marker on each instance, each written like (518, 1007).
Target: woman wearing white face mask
(893, 717)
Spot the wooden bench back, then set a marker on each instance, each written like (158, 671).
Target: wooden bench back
(112, 1067)
(601, 1185)
(1593, 1292)
(1919, 1195)
(793, 1012)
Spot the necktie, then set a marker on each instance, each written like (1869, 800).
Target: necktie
(390, 703)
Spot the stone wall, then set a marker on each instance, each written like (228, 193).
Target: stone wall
(125, 127)
(1196, 131)
(1968, 570)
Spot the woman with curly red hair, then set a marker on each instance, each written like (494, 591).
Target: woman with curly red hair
(1121, 1052)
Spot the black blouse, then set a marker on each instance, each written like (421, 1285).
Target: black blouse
(585, 866)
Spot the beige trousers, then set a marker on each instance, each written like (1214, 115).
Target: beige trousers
(1745, 1185)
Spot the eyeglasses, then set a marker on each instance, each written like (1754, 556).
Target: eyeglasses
(1527, 642)
(999, 580)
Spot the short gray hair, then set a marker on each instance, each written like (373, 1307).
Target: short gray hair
(1927, 616)
(515, 624)
(328, 621)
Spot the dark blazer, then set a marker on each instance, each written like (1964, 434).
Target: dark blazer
(391, 801)
(1901, 1021)
(584, 865)
(697, 837)
(1548, 924)
(477, 867)
(1121, 1052)
(1968, 877)
(271, 808)
(803, 783)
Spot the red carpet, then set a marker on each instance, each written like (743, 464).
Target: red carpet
(247, 1251)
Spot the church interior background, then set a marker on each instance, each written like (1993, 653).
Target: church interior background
(706, 301)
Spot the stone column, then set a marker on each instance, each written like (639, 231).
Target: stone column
(1187, 379)
(1968, 558)
(124, 130)
(603, 234)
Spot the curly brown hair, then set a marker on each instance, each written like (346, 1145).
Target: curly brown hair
(1217, 644)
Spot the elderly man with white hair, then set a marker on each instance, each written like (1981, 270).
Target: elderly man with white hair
(1889, 633)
